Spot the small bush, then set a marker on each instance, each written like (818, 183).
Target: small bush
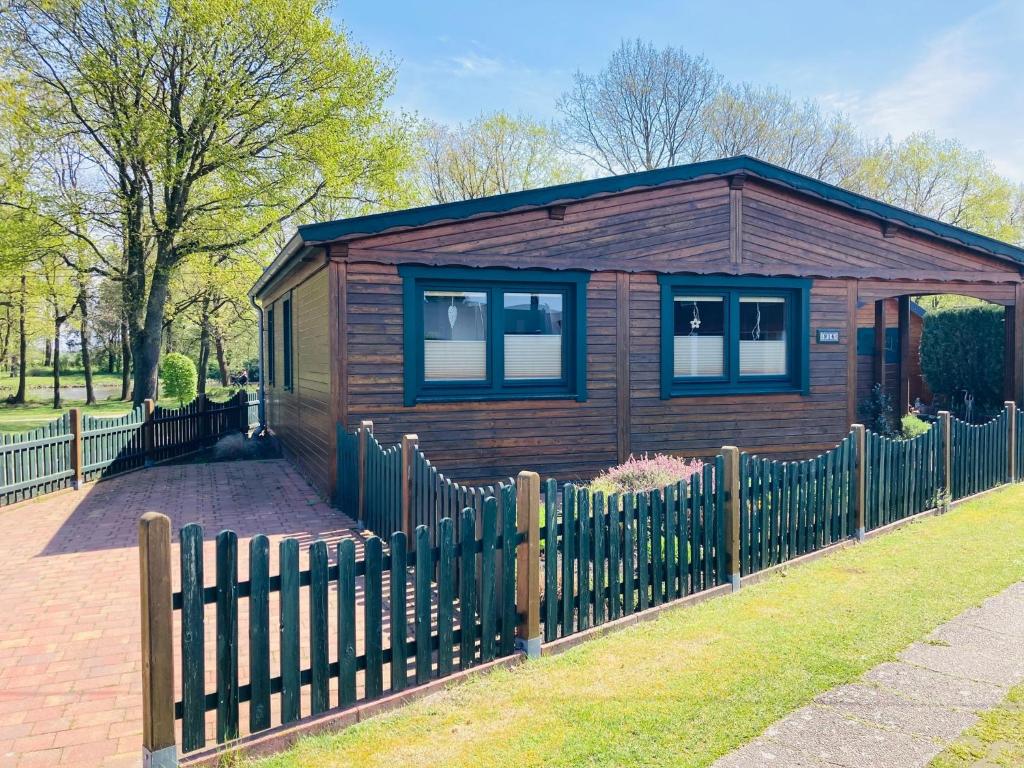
(178, 374)
(877, 413)
(645, 474)
(912, 426)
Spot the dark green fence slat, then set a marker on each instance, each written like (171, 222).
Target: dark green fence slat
(445, 597)
(373, 617)
(259, 633)
(643, 550)
(550, 560)
(193, 633)
(567, 553)
(289, 609)
(488, 588)
(318, 640)
(227, 636)
(399, 613)
(346, 623)
(583, 554)
(508, 570)
(421, 599)
(467, 592)
(629, 559)
(614, 557)
(599, 557)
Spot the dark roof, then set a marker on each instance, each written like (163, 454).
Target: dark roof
(361, 226)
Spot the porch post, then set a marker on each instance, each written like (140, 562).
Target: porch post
(879, 357)
(903, 320)
(1017, 348)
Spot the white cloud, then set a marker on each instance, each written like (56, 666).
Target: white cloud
(966, 84)
(475, 64)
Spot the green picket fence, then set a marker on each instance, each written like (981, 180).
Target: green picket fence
(435, 497)
(189, 428)
(902, 477)
(980, 455)
(608, 557)
(253, 408)
(383, 488)
(790, 508)
(418, 621)
(113, 444)
(36, 462)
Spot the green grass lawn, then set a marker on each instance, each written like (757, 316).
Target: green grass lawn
(697, 683)
(996, 740)
(40, 411)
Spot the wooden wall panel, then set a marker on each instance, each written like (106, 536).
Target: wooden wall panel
(480, 442)
(301, 417)
(865, 373)
(788, 424)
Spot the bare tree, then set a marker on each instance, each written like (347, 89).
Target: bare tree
(771, 126)
(491, 155)
(644, 110)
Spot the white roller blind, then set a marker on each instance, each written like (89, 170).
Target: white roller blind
(762, 358)
(454, 360)
(699, 356)
(533, 356)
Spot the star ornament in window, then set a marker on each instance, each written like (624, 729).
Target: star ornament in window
(694, 324)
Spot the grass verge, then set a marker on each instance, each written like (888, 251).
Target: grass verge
(697, 683)
(997, 739)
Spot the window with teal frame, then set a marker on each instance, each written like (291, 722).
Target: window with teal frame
(734, 335)
(493, 334)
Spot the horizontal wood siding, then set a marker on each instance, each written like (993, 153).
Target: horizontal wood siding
(865, 363)
(786, 233)
(301, 417)
(699, 426)
(480, 442)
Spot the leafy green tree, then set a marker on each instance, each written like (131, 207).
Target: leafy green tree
(942, 179)
(178, 374)
(213, 123)
(490, 156)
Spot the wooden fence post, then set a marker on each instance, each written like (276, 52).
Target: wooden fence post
(147, 431)
(76, 447)
(731, 454)
(947, 459)
(409, 443)
(528, 563)
(860, 446)
(1011, 439)
(365, 428)
(159, 749)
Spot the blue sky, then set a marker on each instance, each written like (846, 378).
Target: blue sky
(895, 67)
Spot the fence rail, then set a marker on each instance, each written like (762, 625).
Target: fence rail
(76, 447)
(463, 567)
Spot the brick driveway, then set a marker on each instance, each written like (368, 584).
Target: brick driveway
(70, 682)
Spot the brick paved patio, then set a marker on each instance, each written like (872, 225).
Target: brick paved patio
(70, 684)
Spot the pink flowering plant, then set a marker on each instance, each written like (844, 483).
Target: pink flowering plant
(646, 473)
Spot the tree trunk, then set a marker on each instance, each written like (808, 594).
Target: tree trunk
(19, 396)
(90, 393)
(222, 362)
(204, 355)
(57, 323)
(111, 357)
(49, 354)
(6, 347)
(146, 341)
(126, 362)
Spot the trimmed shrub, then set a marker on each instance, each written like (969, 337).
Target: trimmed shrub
(962, 350)
(912, 426)
(645, 474)
(876, 412)
(178, 374)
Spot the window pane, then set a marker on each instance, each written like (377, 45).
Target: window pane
(699, 336)
(533, 336)
(454, 336)
(762, 336)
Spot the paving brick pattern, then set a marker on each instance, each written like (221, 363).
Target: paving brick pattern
(70, 681)
(903, 713)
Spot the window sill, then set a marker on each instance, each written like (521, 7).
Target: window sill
(711, 390)
(492, 397)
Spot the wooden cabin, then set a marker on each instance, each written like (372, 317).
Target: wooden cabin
(915, 387)
(563, 329)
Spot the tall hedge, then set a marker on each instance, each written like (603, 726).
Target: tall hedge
(962, 349)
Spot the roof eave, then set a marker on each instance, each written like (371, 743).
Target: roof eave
(295, 245)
